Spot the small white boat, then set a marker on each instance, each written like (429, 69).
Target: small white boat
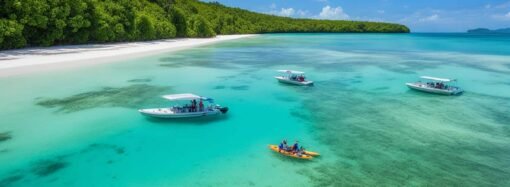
(293, 77)
(436, 85)
(196, 107)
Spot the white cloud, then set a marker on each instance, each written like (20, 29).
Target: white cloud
(332, 13)
(290, 12)
(302, 13)
(503, 5)
(380, 11)
(487, 6)
(287, 12)
(433, 17)
(273, 6)
(502, 17)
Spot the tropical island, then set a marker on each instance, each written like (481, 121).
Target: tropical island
(488, 31)
(31, 23)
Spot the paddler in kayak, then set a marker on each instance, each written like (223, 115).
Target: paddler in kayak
(302, 150)
(295, 147)
(283, 146)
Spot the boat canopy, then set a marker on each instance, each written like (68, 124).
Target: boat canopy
(186, 96)
(437, 79)
(291, 72)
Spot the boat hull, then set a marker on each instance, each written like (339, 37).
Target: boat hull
(293, 82)
(424, 88)
(166, 113)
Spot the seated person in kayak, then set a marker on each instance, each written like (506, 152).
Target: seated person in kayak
(283, 146)
(302, 150)
(295, 147)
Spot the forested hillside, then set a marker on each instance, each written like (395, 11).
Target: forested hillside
(54, 22)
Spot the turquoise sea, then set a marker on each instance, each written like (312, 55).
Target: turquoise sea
(80, 126)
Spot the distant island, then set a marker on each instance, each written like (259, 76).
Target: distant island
(484, 30)
(56, 22)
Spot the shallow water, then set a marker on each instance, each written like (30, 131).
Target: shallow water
(80, 127)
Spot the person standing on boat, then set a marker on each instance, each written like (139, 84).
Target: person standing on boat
(201, 106)
(193, 105)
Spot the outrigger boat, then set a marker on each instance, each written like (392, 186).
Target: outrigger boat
(436, 85)
(293, 77)
(188, 110)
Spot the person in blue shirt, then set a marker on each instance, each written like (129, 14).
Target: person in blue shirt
(295, 147)
(280, 147)
(283, 146)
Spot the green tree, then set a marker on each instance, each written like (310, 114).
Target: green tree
(145, 28)
(51, 22)
(11, 34)
(180, 22)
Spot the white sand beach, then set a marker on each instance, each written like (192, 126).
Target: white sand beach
(20, 61)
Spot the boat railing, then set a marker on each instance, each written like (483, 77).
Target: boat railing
(188, 109)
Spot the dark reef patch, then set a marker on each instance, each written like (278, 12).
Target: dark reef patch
(227, 77)
(406, 140)
(251, 183)
(115, 148)
(10, 180)
(219, 87)
(240, 88)
(4, 136)
(133, 96)
(301, 115)
(356, 81)
(44, 168)
(140, 80)
(286, 98)
(196, 62)
(382, 88)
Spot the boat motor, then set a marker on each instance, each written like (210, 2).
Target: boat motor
(223, 110)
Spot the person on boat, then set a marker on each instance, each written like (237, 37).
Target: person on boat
(285, 146)
(294, 77)
(299, 154)
(201, 105)
(295, 147)
(193, 105)
(281, 146)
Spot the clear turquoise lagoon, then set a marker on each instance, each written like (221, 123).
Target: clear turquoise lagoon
(80, 126)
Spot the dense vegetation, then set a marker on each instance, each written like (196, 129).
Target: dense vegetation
(53, 22)
(488, 31)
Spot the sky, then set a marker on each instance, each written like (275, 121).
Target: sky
(418, 15)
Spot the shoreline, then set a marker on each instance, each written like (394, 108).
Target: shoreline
(29, 60)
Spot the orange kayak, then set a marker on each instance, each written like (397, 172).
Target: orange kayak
(311, 153)
(290, 154)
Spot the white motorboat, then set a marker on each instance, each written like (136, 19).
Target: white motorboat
(436, 85)
(195, 108)
(293, 77)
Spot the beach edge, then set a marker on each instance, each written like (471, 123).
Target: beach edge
(29, 60)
